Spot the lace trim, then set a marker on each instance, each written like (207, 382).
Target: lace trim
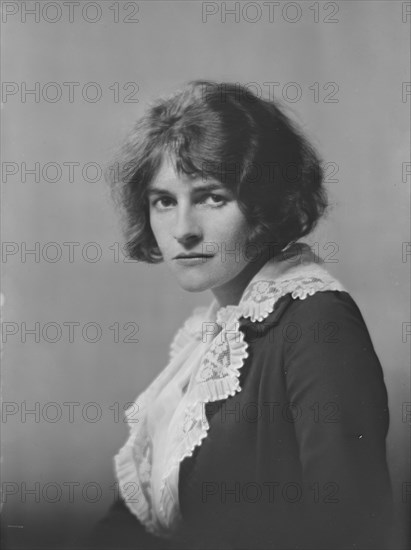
(260, 296)
(133, 467)
(216, 379)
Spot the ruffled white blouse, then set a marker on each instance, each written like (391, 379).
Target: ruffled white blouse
(167, 421)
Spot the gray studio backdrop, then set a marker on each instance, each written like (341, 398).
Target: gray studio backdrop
(86, 331)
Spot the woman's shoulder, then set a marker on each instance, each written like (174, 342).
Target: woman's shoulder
(336, 302)
(331, 309)
(332, 305)
(323, 342)
(323, 335)
(329, 317)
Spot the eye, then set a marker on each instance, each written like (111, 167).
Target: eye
(215, 200)
(162, 203)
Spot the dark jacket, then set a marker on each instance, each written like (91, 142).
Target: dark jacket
(296, 459)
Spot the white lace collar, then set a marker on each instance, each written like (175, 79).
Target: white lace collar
(214, 375)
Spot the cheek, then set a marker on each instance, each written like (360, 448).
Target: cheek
(234, 229)
(158, 236)
(157, 228)
(154, 228)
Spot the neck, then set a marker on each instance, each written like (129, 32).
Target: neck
(231, 292)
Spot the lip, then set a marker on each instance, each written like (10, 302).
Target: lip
(192, 255)
(193, 259)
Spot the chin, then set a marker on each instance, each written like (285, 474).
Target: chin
(193, 282)
(194, 286)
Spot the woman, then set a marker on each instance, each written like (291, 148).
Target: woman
(267, 427)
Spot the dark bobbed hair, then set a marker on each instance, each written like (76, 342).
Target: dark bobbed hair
(224, 132)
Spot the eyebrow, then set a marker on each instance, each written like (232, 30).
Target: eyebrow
(197, 189)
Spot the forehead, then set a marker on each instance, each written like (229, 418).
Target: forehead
(167, 174)
(168, 178)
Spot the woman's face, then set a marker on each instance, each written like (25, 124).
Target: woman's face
(199, 228)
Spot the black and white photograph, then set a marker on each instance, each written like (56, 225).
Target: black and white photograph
(205, 260)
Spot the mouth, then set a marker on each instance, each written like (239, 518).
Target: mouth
(192, 260)
(191, 256)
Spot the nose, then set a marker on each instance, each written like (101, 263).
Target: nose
(187, 229)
